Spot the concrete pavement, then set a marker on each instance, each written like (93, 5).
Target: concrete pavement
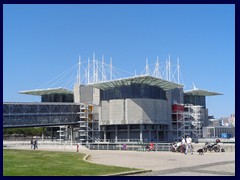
(168, 163)
(163, 163)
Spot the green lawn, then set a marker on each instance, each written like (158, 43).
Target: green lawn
(48, 163)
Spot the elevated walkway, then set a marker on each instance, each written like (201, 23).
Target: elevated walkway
(39, 114)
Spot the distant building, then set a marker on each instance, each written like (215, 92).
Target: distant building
(218, 132)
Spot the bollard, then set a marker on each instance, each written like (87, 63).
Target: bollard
(77, 147)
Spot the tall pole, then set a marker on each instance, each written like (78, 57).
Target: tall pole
(169, 69)
(178, 69)
(147, 69)
(88, 73)
(102, 68)
(79, 68)
(110, 68)
(166, 70)
(94, 71)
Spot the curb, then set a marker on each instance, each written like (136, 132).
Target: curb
(85, 158)
(129, 173)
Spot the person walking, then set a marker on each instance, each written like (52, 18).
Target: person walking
(183, 145)
(35, 144)
(31, 143)
(189, 145)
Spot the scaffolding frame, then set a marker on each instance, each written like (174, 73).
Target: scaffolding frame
(188, 122)
(88, 124)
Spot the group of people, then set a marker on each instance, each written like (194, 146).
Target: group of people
(34, 144)
(187, 144)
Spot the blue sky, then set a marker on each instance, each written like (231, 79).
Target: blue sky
(41, 41)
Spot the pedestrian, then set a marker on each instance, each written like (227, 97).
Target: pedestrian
(77, 147)
(31, 143)
(35, 144)
(183, 145)
(151, 146)
(189, 144)
(124, 147)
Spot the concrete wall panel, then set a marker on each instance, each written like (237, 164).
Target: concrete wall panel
(116, 111)
(104, 113)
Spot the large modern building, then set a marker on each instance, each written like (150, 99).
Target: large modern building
(149, 107)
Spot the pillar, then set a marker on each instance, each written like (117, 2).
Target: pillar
(141, 139)
(116, 133)
(149, 132)
(128, 132)
(104, 134)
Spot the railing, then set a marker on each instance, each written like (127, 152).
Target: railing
(128, 146)
(64, 145)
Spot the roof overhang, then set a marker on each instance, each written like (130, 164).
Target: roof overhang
(40, 92)
(143, 79)
(199, 92)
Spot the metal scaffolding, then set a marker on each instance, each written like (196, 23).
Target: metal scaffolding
(89, 126)
(188, 122)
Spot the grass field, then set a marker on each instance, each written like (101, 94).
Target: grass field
(47, 163)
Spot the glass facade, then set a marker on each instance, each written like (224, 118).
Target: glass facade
(195, 100)
(57, 98)
(133, 91)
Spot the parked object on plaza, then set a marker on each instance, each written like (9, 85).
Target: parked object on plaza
(212, 147)
(178, 147)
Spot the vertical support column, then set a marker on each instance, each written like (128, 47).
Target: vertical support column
(42, 134)
(71, 133)
(149, 132)
(51, 133)
(157, 132)
(128, 132)
(116, 133)
(104, 134)
(141, 139)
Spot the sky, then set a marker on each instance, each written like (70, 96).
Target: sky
(42, 41)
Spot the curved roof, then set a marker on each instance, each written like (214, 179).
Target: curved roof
(40, 92)
(143, 79)
(199, 92)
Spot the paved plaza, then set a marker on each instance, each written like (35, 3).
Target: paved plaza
(162, 163)
(169, 163)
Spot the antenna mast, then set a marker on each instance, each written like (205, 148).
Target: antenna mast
(169, 69)
(79, 68)
(94, 71)
(178, 69)
(88, 73)
(147, 69)
(103, 79)
(110, 68)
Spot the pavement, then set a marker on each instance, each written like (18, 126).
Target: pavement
(164, 163)
(168, 163)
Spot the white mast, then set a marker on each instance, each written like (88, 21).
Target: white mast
(88, 72)
(169, 69)
(147, 69)
(156, 71)
(166, 70)
(178, 69)
(94, 71)
(103, 68)
(110, 68)
(79, 68)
